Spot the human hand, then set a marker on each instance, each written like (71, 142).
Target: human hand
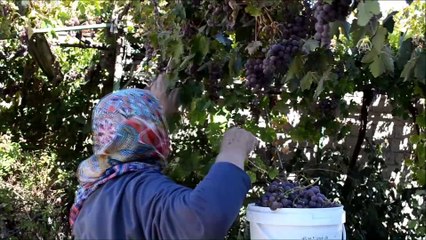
(169, 101)
(236, 145)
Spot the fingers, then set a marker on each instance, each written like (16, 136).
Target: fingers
(173, 101)
(159, 86)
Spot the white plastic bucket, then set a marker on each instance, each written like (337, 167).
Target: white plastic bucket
(296, 223)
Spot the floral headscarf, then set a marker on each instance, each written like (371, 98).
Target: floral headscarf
(129, 134)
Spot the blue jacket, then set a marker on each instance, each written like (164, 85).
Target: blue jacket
(149, 205)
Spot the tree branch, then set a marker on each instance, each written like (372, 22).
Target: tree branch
(78, 45)
(367, 99)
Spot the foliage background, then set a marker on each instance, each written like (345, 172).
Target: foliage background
(47, 93)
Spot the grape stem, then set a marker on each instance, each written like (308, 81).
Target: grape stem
(322, 169)
(261, 169)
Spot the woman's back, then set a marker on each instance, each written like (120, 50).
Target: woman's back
(148, 205)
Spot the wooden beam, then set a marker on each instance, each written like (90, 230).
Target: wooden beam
(39, 49)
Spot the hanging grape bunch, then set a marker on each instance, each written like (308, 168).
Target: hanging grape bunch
(218, 14)
(342, 8)
(279, 56)
(299, 27)
(324, 14)
(328, 107)
(256, 79)
(289, 194)
(212, 82)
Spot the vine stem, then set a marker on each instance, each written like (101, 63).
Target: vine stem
(256, 26)
(367, 99)
(325, 170)
(255, 165)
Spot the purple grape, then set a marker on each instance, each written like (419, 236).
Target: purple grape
(288, 194)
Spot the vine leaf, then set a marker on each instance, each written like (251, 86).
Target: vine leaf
(377, 67)
(408, 68)
(420, 71)
(326, 76)
(296, 68)
(379, 38)
(252, 176)
(386, 57)
(404, 53)
(253, 47)
(174, 48)
(307, 80)
(273, 173)
(366, 10)
(200, 47)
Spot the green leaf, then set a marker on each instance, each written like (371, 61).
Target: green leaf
(387, 59)
(421, 176)
(404, 53)
(370, 56)
(366, 10)
(174, 48)
(320, 88)
(377, 67)
(420, 69)
(235, 64)
(307, 80)
(267, 134)
(296, 68)
(273, 173)
(408, 68)
(421, 119)
(414, 139)
(186, 62)
(378, 40)
(357, 32)
(411, 224)
(179, 11)
(200, 46)
(252, 176)
(253, 11)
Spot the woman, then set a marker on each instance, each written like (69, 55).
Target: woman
(124, 195)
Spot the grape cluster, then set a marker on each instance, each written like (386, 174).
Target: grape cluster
(280, 55)
(289, 194)
(218, 14)
(212, 83)
(259, 73)
(325, 13)
(254, 73)
(342, 8)
(299, 27)
(328, 107)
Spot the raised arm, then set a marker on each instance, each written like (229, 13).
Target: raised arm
(208, 210)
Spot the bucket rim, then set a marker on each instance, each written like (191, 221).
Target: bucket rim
(253, 207)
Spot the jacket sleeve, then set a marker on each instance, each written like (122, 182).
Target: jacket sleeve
(205, 212)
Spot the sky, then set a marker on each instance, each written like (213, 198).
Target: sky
(388, 5)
